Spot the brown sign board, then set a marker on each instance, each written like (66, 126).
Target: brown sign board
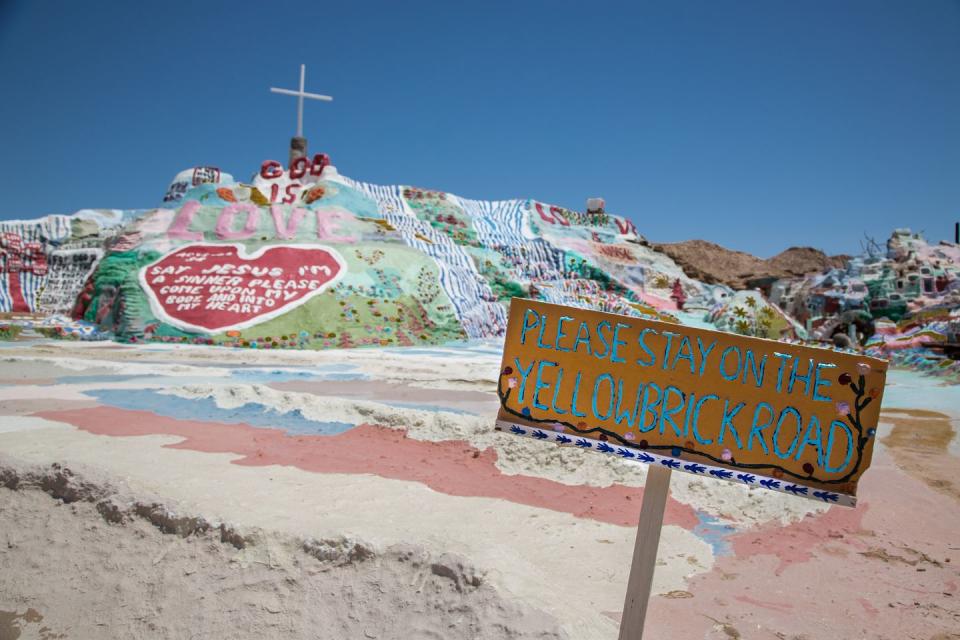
(764, 413)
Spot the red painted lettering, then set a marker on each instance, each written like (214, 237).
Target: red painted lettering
(292, 190)
(320, 161)
(271, 170)
(558, 216)
(626, 226)
(298, 168)
(543, 214)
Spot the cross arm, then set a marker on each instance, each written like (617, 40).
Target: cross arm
(304, 94)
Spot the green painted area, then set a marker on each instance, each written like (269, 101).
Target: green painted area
(498, 272)
(338, 318)
(389, 296)
(10, 332)
(386, 298)
(583, 268)
(433, 208)
(118, 302)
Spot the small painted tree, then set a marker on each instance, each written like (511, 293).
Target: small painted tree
(345, 342)
(678, 295)
(403, 339)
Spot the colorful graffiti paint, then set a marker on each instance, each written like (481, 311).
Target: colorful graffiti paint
(416, 266)
(44, 262)
(68, 270)
(420, 265)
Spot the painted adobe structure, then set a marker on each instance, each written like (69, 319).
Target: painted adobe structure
(903, 304)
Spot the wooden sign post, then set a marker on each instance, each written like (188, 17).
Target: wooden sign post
(645, 553)
(762, 413)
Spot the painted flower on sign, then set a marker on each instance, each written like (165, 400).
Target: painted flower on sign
(843, 408)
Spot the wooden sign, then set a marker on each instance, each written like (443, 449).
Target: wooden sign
(769, 414)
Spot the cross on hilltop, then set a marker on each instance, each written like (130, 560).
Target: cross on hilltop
(298, 144)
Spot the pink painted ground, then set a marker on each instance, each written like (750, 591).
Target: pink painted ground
(880, 571)
(452, 466)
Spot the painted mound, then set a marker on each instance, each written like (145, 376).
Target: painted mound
(307, 258)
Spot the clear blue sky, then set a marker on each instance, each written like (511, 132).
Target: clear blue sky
(755, 124)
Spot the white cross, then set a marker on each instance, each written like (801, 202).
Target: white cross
(300, 96)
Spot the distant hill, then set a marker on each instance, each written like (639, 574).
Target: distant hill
(714, 264)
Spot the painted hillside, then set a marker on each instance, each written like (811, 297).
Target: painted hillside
(307, 258)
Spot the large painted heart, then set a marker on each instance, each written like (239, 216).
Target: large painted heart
(217, 287)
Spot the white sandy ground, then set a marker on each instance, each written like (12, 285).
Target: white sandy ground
(532, 556)
(97, 366)
(476, 371)
(107, 566)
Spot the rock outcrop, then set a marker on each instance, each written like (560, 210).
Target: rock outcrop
(712, 263)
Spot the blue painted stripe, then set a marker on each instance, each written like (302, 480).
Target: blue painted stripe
(206, 410)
